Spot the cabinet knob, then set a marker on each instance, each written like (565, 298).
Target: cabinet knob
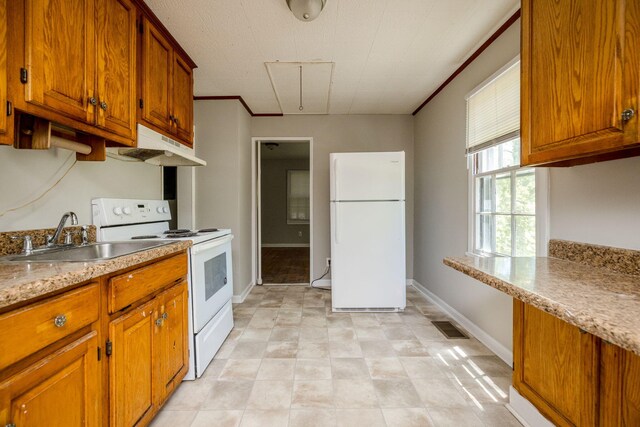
(10, 425)
(628, 114)
(60, 320)
(165, 315)
(103, 105)
(93, 101)
(175, 119)
(159, 321)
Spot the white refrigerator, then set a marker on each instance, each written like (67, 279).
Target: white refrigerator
(368, 231)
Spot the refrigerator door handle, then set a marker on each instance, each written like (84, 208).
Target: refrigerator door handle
(335, 179)
(337, 221)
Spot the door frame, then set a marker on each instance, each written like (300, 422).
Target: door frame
(256, 217)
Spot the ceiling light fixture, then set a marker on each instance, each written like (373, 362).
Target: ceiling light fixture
(306, 10)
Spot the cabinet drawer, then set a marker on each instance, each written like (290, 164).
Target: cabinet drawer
(32, 328)
(128, 288)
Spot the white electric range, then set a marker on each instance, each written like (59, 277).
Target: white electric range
(210, 268)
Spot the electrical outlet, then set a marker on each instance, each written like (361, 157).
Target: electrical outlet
(328, 262)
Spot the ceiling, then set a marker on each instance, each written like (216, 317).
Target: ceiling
(387, 56)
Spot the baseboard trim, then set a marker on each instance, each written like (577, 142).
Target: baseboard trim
(500, 350)
(286, 245)
(239, 299)
(524, 411)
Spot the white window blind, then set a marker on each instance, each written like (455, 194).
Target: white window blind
(297, 197)
(493, 109)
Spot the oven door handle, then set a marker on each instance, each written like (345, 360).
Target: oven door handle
(196, 249)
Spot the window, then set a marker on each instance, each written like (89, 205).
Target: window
(297, 197)
(502, 195)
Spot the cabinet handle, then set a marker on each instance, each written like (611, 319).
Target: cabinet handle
(93, 101)
(159, 321)
(628, 114)
(60, 320)
(165, 315)
(103, 105)
(172, 118)
(10, 425)
(175, 119)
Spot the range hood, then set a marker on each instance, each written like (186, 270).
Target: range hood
(157, 149)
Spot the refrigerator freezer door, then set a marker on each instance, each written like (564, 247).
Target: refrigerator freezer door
(367, 176)
(368, 255)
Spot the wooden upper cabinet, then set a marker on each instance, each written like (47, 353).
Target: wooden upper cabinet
(63, 389)
(73, 62)
(166, 87)
(157, 64)
(555, 367)
(60, 56)
(116, 66)
(580, 72)
(6, 122)
(183, 99)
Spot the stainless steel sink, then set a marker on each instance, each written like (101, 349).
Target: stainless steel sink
(91, 252)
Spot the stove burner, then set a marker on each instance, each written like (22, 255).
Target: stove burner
(187, 233)
(208, 230)
(178, 231)
(148, 236)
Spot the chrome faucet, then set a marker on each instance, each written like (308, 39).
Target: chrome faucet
(52, 240)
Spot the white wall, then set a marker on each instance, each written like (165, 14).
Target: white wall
(25, 174)
(223, 187)
(343, 133)
(597, 203)
(441, 196)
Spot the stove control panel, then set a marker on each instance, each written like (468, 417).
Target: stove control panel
(110, 212)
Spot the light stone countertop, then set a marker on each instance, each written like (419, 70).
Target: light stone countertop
(20, 282)
(599, 301)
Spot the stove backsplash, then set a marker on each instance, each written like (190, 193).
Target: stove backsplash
(10, 247)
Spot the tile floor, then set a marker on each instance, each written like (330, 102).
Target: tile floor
(290, 361)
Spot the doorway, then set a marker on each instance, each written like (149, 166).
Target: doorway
(283, 210)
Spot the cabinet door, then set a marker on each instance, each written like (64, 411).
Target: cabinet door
(619, 387)
(131, 367)
(576, 78)
(116, 33)
(555, 366)
(157, 63)
(183, 100)
(172, 347)
(60, 56)
(61, 390)
(5, 121)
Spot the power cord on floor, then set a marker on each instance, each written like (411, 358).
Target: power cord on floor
(323, 275)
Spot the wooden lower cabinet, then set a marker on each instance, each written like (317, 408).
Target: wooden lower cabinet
(620, 387)
(572, 377)
(70, 361)
(61, 390)
(555, 366)
(132, 365)
(149, 356)
(172, 348)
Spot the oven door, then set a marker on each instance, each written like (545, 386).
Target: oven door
(211, 279)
